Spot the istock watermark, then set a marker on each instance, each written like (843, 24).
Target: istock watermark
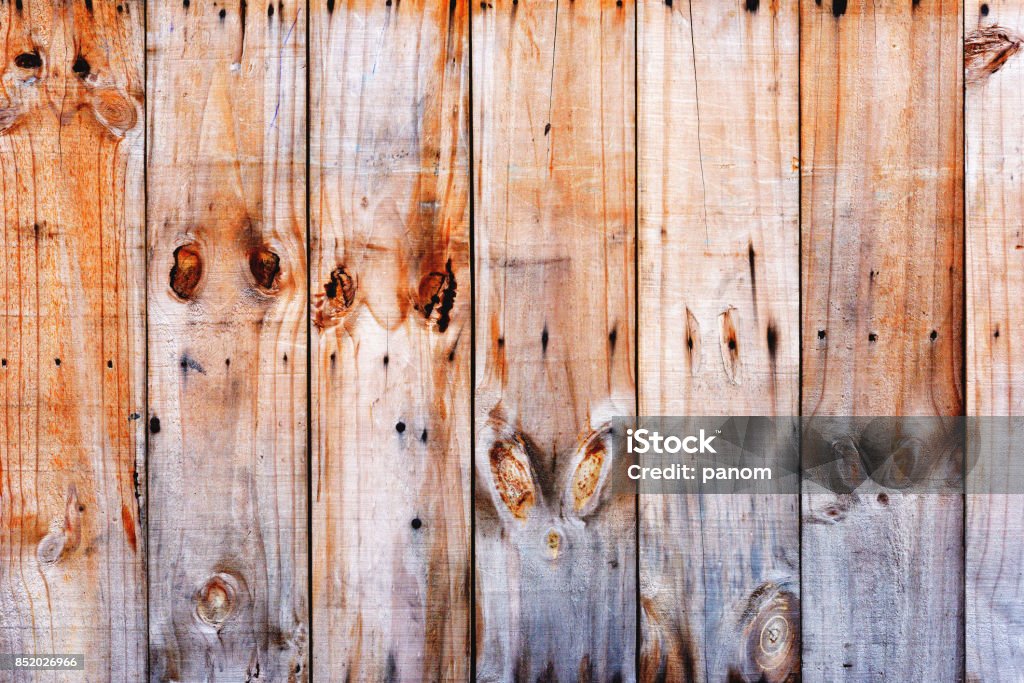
(817, 454)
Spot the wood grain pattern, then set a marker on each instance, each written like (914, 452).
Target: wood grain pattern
(392, 327)
(718, 198)
(227, 341)
(995, 333)
(882, 247)
(72, 573)
(554, 117)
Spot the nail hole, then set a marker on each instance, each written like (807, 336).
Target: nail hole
(821, 334)
(934, 335)
(872, 337)
(154, 425)
(110, 363)
(984, 10)
(416, 523)
(400, 427)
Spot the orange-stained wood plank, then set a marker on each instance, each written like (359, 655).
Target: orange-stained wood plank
(719, 268)
(882, 291)
(554, 238)
(72, 544)
(391, 294)
(227, 341)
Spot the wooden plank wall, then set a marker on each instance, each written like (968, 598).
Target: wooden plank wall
(718, 151)
(499, 224)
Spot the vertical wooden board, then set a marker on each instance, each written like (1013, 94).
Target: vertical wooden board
(719, 325)
(392, 328)
(881, 85)
(554, 125)
(72, 574)
(227, 341)
(995, 330)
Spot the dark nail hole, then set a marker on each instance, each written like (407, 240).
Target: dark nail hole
(227, 362)
(416, 523)
(81, 67)
(284, 358)
(385, 361)
(3, 363)
(821, 334)
(984, 10)
(872, 337)
(223, 13)
(110, 363)
(81, 508)
(28, 60)
(270, 10)
(400, 427)
(883, 499)
(934, 335)
(185, 3)
(57, 361)
(732, 344)
(154, 425)
(423, 436)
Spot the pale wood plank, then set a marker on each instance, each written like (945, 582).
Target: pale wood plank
(881, 87)
(392, 326)
(995, 334)
(72, 571)
(227, 341)
(554, 117)
(719, 236)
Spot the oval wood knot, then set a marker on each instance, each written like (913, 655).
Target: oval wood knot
(186, 271)
(337, 300)
(265, 267)
(987, 49)
(215, 600)
(511, 476)
(770, 633)
(114, 111)
(436, 296)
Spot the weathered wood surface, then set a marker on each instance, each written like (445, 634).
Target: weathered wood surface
(719, 325)
(72, 573)
(882, 294)
(392, 331)
(995, 335)
(227, 341)
(553, 91)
